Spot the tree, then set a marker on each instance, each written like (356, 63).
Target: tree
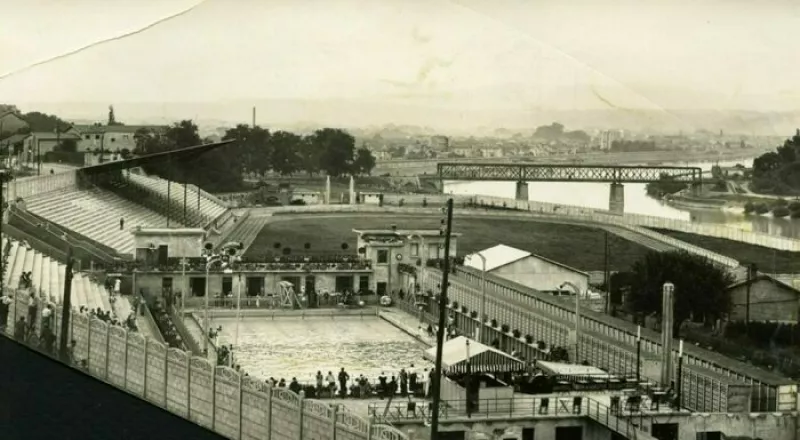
(364, 162)
(253, 147)
(112, 120)
(43, 122)
(147, 141)
(336, 147)
(285, 147)
(67, 146)
(700, 286)
(310, 156)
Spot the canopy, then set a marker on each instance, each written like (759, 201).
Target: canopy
(482, 358)
(561, 369)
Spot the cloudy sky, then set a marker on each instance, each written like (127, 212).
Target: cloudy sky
(509, 54)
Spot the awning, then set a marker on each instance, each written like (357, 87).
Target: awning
(147, 159)
(482, 358)
(582, 371)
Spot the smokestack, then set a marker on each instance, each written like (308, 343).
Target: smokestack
(254, 116)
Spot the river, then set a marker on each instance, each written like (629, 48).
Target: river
(595, 195)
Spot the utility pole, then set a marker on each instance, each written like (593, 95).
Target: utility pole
(751, 269)
(607, 274)
(437, 376)
(66, 309)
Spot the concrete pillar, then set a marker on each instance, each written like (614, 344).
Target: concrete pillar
(521, 192)
(616, 198)
(667, 314)
(328, 190)
(352, 190)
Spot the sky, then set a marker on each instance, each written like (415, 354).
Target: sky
(509, 55)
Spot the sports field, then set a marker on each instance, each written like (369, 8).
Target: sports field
(577, 246)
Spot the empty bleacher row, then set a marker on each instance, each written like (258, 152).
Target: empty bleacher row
(209, 209)
(48, 277)
(96, 214)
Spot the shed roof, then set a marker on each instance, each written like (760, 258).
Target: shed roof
(502, 255)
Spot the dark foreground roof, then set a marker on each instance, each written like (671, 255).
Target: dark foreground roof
(174, 155)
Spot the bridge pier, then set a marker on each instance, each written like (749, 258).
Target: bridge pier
(616, 198)
(521, 192)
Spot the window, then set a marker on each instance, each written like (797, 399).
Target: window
(383, 256)
(97, 136)
(414, 249)
(363, 283)
(88, 137)
(113, 139)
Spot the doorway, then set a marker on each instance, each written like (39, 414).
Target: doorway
(227, 285)
(163, 254)
(665, 431)
(569, 433)
(344, 283)
(255, 285)
(197, 285)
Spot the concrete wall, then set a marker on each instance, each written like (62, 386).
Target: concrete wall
(219, 398)
(539, 274)
(31, 186)
(182, 242)
(769, 301)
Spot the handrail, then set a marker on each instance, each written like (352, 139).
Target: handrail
(66, 237)
(75, 235)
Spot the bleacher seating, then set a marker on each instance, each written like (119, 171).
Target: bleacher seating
(210, 207)
(48, 278)
(96, 214)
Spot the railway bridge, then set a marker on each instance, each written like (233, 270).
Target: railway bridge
(616, 175)
(532, 322)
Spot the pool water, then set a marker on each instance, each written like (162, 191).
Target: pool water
(294, 347)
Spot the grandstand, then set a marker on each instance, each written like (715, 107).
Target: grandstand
(48, 279)
(106, 205)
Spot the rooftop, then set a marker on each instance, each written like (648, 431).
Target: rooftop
(100, 129)
(502, 255)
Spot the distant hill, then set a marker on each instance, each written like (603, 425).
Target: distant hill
(306, 115)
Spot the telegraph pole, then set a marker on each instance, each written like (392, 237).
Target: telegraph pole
(437, 376)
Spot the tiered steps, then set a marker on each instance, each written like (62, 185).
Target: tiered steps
(48, 278)
(96, 214)
(210, 209)
(247, 230)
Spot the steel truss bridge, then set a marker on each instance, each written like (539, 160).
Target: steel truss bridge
(566, 173)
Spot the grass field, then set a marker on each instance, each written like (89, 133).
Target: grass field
(768, 260)
(577, 246)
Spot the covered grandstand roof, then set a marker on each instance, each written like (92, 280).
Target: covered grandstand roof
(183, 153)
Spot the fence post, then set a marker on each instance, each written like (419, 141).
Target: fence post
(89, 345)
(241, 406)
(144, 376)
(125, 363)
(166, 375)
(188, 386)
(300, 415)
(108, 346)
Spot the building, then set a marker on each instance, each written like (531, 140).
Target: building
(110, 138)
(11, 122)
(42, 142)
(390, 248)
(770, 300)
(528, 269)
(440, 143)
(491, 152)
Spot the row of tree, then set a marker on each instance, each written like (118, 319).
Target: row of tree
(778, 172)
(328, 151)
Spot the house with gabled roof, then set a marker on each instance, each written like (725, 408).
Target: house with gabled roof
(527, 268)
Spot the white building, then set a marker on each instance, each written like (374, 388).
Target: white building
(528, 269)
